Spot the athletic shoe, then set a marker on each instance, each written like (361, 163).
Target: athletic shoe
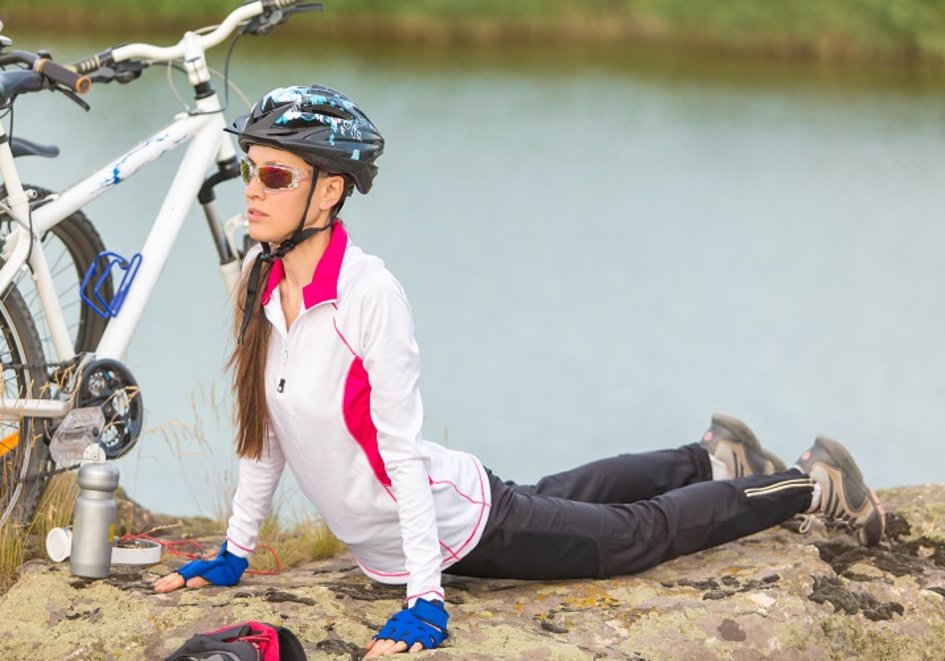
(844, 497)
(730, 441)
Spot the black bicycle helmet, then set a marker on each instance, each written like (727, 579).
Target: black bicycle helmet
(322, 126)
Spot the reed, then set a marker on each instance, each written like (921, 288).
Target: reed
(13, 542)
(303, 539)
(56, 505)
(852, 29)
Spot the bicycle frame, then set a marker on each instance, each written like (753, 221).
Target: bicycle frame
(203, 128)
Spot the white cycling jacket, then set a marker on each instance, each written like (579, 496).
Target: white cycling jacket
(345, 411)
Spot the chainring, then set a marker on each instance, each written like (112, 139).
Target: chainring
(109, 385)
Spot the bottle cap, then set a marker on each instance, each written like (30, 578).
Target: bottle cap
(59, 544)
(100, 477)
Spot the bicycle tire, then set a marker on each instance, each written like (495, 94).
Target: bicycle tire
(80, 243)
(22, 439)
(83, 243)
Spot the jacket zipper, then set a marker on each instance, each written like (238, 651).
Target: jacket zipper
(285, 362)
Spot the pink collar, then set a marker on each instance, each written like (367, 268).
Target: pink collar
(324, 284)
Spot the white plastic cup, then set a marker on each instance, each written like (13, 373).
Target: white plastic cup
(59, 544)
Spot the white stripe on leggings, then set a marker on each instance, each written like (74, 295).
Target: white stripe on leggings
(801, 483)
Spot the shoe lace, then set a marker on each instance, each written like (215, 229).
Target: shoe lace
(807, 520)
(838, 516)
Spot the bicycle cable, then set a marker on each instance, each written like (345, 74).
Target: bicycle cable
(231, 85)
(226, 72)
(225, 77)
(10, 113)
(52, 472)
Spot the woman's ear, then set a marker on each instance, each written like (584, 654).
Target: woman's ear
(332, 192)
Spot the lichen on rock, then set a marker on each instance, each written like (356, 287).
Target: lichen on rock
(777, 594)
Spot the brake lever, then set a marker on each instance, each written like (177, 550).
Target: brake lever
(73, 97)
(265, 23)
(123, 72)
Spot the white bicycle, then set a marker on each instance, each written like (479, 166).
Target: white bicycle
(56, 275)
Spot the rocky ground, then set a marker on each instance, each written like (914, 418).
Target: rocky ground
(778, 594)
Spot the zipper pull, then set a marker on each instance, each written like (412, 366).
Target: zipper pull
(281, 385)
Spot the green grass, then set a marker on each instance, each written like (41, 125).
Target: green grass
(900, 29)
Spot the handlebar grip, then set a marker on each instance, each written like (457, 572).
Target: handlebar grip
(60, 74)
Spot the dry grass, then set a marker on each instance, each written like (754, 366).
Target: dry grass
(200, 459)
(19, 543)
(13, 543)
(55, 507)
(305, 540)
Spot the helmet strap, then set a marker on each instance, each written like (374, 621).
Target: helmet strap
(300, 234)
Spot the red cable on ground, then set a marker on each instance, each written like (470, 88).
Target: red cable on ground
(174, 546)
(268, 572)
(171, 546)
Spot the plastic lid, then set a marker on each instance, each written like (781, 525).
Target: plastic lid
(144, 552)
(99, 477)
(58, 544)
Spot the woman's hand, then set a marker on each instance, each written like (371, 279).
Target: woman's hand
(421, 626)
(174, 581)
(385, 647)
(224, 569)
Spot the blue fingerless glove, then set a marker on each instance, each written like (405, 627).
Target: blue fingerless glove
(225, 569)
(425, 623)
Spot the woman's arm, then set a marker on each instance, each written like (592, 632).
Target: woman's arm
(392, 361)
(258, 479)
(257, 483)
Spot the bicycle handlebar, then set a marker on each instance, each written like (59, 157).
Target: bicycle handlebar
(59, 74)
(55, 73)
(167, 53)
(72, 79)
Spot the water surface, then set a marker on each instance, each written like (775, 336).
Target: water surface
(600, 250)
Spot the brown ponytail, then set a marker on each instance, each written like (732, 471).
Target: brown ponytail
(248, 364)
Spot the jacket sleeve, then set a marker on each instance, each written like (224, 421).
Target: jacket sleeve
(392, 361)
(257, 482)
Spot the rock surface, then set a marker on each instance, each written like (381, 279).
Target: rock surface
(778, 594)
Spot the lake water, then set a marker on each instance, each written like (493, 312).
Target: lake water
(600, 249)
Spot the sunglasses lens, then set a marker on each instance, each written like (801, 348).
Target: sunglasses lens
(274, 177)
(246, 171)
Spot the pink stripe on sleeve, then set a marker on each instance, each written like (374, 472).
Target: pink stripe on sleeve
(357, 415)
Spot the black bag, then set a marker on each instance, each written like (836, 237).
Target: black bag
(246, 641)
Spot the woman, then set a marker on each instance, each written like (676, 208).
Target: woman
(327, 370)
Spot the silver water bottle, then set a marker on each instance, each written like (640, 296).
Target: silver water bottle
(92, 526)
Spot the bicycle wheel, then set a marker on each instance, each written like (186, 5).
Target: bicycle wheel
(70, 247)
(24, 455)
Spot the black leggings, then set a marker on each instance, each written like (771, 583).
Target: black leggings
(624, 515)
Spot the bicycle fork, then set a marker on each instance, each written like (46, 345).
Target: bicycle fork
(223, 233)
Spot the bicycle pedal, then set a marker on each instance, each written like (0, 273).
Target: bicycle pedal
(99, 272)
(79, 431)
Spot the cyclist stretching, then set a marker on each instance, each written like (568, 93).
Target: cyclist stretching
(327, 370)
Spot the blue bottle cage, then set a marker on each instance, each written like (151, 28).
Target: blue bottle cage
(98, 273)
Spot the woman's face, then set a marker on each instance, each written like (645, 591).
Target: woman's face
(274, 213)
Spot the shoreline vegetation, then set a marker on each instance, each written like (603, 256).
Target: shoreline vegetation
(904, 31)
